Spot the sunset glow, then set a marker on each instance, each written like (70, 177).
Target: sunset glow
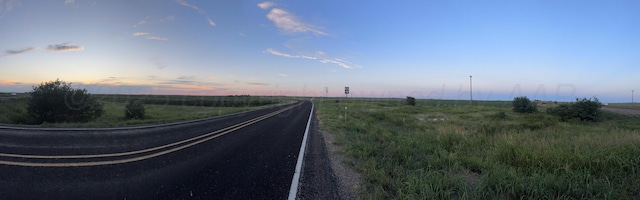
(549, 50)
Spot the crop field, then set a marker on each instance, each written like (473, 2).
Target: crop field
(442, 149)
(625, 105)
(159, 109)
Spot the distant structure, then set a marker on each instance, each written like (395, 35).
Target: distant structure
(13, 94)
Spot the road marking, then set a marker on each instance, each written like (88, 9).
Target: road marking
(293, 190)
(207, 137)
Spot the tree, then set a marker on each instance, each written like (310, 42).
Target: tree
(134, 110)
(524, 105)
(57, 101)
(411, 101)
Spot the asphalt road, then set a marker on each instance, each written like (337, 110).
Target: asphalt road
(245, 156)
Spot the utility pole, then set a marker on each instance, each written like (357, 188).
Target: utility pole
(470, 90)
(631, 96)
(326, 92)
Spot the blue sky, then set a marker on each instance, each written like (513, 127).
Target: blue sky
(549, 50)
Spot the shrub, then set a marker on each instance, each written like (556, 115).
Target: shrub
(57, 101)
(134, 110)
(411, 101)
(524, 105)
(501, 115)
(583, 109)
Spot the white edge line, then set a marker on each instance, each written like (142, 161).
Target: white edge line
(293, 191)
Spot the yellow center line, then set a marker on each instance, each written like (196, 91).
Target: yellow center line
(207, 137)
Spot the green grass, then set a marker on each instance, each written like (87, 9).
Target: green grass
(159, 109)
(450, 149)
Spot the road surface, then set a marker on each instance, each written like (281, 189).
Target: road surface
(250, 155)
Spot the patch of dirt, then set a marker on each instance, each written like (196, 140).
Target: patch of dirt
(472, 179)
(626, 111)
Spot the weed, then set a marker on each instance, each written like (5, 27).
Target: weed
(484, 151)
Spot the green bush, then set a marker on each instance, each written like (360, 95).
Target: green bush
(583, 109)
(134, 110)
(411, 101)
(57, 101)
(524, 105)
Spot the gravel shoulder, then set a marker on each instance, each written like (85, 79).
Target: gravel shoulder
(325, 174)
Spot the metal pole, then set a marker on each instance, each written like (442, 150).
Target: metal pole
(631, 96)
(345, 114)
(470, 90)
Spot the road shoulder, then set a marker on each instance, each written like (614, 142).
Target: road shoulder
(325, 173)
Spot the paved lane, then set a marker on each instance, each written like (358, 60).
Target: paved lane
(206, 159)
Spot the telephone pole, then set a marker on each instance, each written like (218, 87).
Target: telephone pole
(470, 90)
(631, 96)
(326, 92)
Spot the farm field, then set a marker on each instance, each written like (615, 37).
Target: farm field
(442, 149)
(159, 109)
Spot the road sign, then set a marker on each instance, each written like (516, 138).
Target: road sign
(346, 90)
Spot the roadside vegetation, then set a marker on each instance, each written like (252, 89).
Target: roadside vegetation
(442, 149)
(58, 101)
(122, 110)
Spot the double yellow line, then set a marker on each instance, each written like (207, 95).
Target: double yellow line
(162, 150)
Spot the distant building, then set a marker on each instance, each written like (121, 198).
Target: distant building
(13, 94)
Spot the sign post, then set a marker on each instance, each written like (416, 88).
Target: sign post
(345, 114)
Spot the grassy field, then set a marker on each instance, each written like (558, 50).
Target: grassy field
(159, 109)
(625, 105)
(450, 149)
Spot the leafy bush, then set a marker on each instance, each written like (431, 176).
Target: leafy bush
(583, 109)
(411, 101)
(524, 105)
(501, 115)
(57, 101)
(134, 110)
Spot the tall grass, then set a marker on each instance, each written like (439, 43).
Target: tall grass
(449, 149)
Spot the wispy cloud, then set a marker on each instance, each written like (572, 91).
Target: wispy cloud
(278, 53)
(19, 51)
(149, 20)
(340, 62)
(136, 34)
(64, 47)
(67, 2)
(200, 11)
(157, 38)
(167, 19)
(290, 24)
(256, 84)
(8, 5)
(158, 63)
(283, 75)
(187, 4)
(266, 5)
(186, 77)
(149, 36)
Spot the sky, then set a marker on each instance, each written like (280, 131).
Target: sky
(547, 49)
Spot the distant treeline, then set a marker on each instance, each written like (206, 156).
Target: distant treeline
(207, 101)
